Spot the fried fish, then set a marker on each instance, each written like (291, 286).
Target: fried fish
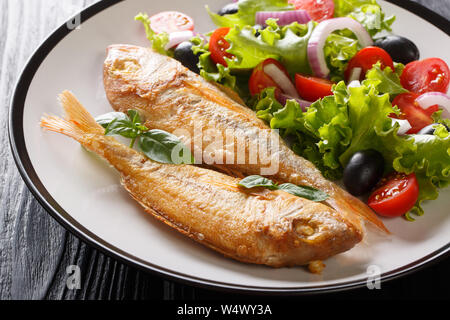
(171, 97)
(258, 226)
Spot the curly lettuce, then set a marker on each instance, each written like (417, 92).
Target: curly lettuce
(366, 12)
(338, 50)
(429, 158)
(286, 44)
(386, 80)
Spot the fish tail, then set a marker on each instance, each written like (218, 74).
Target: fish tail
(78, 115)
(367, 214)
(78, 121)
(60, 125)
(344, 202)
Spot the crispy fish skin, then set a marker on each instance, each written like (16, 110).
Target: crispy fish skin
(273, 228)
(172, 97)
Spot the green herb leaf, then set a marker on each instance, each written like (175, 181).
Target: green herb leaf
(306, 192)
(134, 116)
(119, 123)
(257, 181)
(105, 119)
(164, 147)
(121, 127)
(158, 145)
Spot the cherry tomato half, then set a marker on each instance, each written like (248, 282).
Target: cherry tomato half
(396, 195)
(171, 21)
(259, 80)
(218, 46)
(312, 88)
(417, 117)
(366, 58)
(426, 75)
(317, 10)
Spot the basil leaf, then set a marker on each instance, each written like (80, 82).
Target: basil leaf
(119, 123)
(257, 181)
(164, 147)
(105, 119)
(306, 192)
(134, 116)
(123, 127)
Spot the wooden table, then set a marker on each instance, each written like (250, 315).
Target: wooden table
(35, 250)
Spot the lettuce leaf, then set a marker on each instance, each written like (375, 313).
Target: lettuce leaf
(247, 11)
(367, 12)
(386, 80)
(429, 158)
(158, 40)
(338, 50)
(286, 44)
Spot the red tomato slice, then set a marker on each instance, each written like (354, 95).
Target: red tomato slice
(417, 117)
(259, 80)
(218, 46)
(396, 195)
(366, 58)
(312, 88)
(171, 21)
(318, 10)
(426, 75)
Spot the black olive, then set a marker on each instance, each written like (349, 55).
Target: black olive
(363, 171)
(258, 28)
(229, 9)
(399, 48)
(183, 53)
(430, 129)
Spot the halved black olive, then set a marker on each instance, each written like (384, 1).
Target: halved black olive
(363, 171)
(183, 53)
(399, 48)
(229, 9)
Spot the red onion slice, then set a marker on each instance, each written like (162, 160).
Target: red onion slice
(354, 84)
(404, 125)
(424, 138)
(429, 99)
(175, 38)
(201, 36)
(281, 79)
(319, 35)
(284, 17)
(283, 98)
(355, 74)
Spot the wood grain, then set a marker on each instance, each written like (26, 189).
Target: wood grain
(35, 250)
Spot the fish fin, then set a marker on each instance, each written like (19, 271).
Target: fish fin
(367, 214)
(344, 202)
(59, 125)
(77, 114)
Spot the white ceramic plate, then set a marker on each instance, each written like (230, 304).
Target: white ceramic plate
(84, 194)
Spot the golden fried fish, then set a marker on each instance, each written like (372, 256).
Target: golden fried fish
(170, 97)
(258, 226)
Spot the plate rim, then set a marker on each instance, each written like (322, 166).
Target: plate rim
(31, 179)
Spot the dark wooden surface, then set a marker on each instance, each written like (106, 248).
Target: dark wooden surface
(35, 250)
